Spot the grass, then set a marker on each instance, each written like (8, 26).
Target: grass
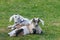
(48, 10)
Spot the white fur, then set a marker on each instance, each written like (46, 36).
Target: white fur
(39, 19)
(25, 32)
(18, 19)
(30, 27)
(12, 27)
(27, 29)
(12, 33)
(38, 28)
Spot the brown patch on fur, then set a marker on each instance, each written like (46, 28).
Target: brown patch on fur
(30, 27)
(18, 26)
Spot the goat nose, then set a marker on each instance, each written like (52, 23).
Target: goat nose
(15, 22)
(36, 25)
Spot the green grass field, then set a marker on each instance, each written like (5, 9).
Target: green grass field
(48, 10)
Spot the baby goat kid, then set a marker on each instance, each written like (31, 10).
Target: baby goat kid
(36, 29)
(18, 19)
(33, 27)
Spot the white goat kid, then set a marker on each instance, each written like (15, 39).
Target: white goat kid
(18, 19)
(34, 27)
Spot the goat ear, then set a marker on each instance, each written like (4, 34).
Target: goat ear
(10, 18)
(33, 20)
(41, 21)
(38, 20)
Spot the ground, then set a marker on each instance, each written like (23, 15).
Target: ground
(48, 10)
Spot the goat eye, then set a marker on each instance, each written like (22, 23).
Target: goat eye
(38, 20)
(33, 20)
(15, 16)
